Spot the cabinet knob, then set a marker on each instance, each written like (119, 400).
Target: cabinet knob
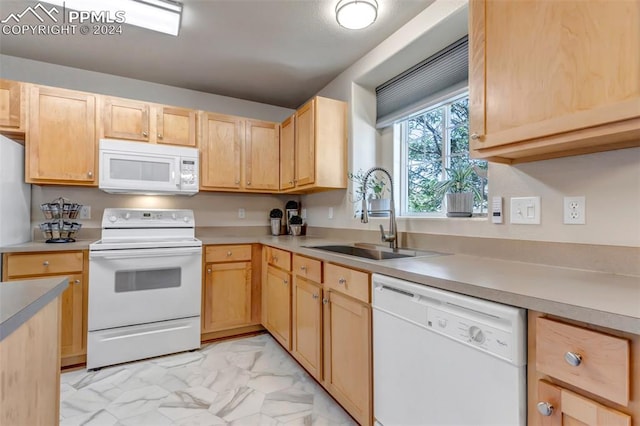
(303, 268)
(45, 263)
(325, 301)
(159, 136)
(290, 182)
(573, 358)
(315, 296)
(76, 281)
(229, 253)
(275, 259)
(209, 271)
(545, 408)
(342, 281)
(145, 134)
(476, 137)
(90, 174)
(285, 282)
(248, 182)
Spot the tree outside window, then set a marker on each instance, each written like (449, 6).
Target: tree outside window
(433, 141)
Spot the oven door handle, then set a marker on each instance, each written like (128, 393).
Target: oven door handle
(144, 253)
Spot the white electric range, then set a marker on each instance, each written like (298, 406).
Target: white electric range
(145, 278)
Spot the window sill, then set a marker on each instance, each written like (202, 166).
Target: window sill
(476, 218)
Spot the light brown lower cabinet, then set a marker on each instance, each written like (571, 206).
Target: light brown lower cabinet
(71, 264)
(581, 374)
(277, 305)
(307, 325)
(348, 354)
(230, 290)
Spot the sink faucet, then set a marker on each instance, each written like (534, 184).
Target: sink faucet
(392, 236)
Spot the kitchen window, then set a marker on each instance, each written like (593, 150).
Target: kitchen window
(432, 141)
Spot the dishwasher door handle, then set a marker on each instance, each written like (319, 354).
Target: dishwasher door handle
(396, 290)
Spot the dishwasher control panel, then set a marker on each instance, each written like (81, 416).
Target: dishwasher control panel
(482, 335)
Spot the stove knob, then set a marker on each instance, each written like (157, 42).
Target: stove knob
(174, 216)
(127, 216)
(112, 218)
(442, 322)
(187, 219)
(476, 335)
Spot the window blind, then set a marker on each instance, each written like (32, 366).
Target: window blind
(423, 84)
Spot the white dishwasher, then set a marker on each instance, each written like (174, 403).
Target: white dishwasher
(441, 358)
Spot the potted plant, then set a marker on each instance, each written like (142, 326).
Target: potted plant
(276, 221)
(460, 190)
(295, 224)
(378, 206)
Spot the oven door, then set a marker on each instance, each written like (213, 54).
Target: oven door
(137, 286)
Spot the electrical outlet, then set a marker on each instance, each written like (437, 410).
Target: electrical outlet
(241, 214)
(303, 213)
(575, 211)
(330, 215)
(85, 212)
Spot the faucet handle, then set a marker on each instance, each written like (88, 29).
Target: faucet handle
(387, 238)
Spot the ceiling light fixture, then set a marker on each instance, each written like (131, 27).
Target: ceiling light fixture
(356, 14)
(157, 15)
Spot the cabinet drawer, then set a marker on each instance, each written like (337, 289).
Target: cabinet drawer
(23, 264)
(347, 281)
(602, 363)
(279, 258)
(228, 253)
(308, 268)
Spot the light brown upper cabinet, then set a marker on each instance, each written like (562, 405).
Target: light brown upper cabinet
(320, 147)
(262, 156)
(287, 153)
(61, 141)
(12, 108)
(238, 154)
(551, 78)
(146, 122)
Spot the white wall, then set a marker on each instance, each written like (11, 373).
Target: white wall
(610, 180)
(14, 68)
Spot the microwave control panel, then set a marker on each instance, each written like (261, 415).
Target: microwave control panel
(188, 173)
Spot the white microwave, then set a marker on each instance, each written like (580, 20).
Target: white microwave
(142, 168)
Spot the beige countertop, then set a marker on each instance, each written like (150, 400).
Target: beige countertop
(21, 300)
(604, 299)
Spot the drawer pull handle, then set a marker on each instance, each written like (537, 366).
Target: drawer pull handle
(342, 281)
(545, 408)
(229, 253)
(573, 358)
(304, 268)
(45, 263)
(275, 259)
(315, 296)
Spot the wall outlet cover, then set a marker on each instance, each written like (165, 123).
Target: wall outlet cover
(85, 212)
(575, 210)
(525, 210)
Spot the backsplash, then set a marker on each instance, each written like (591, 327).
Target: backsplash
(211, 209)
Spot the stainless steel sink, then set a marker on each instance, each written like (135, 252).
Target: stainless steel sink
(374, 252)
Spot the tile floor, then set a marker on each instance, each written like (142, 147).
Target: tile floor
(247, 381)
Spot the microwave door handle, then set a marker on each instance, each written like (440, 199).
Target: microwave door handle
(176, 176)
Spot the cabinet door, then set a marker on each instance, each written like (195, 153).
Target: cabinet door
(572, 76)
(287, 153)
(226, 296)
(347, 354)
(11, 106)
(126, 119)
(307, 325)
(176, 126)
(262, 155)
(305, 144)
(61, 146)
(220, 142)
(74, 320)
(277, 305)
(562, 407)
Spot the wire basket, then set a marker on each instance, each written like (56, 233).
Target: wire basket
(58, 228)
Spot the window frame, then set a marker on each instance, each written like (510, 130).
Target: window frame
(401, 127)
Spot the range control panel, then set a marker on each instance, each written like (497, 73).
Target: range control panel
(149, 218)
(473, 333)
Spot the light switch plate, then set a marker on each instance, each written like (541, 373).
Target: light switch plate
(525, 210)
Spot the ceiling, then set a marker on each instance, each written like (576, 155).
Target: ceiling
(279, 52)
